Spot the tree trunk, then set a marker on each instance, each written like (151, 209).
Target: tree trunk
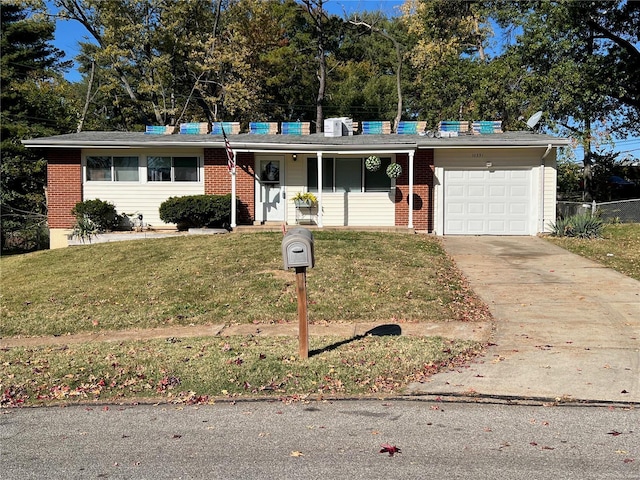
(316, 12)
(87, 98)
(322, 80)
(398, 48)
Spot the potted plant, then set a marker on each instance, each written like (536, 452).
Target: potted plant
(394, 170)
(306, 199)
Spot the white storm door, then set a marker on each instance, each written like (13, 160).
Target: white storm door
(270, 202)
(487, 202)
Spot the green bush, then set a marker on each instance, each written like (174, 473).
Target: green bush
(197, 211)
(84, 229)
(102, 214)
(582, 225)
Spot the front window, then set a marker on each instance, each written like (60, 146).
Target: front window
(172, 169)
(108, 168)
(347, 175)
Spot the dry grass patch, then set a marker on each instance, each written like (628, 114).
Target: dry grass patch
(199, 370)
(619, 248)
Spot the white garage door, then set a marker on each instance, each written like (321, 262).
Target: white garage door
(487, 202)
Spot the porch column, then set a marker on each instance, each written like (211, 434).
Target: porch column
(234, 223)
(319, 155)
(410, 225)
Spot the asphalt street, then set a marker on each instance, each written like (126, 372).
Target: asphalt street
(338, 439)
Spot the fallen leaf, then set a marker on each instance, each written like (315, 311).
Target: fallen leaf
(297, 454)
(628, 460)
(614, 433)
(390, 449)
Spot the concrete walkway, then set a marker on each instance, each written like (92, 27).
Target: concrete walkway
(566, 327)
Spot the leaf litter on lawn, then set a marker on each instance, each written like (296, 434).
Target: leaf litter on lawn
(200, 370)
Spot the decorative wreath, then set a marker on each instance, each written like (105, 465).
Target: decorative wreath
(372, 163)
(394, 170)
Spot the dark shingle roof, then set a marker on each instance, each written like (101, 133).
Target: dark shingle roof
(293, 143)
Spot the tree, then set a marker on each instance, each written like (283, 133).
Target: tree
(584, 65)
(448, 57)
(399, 50)
(326, 32)
(32, 93)
(279, 46)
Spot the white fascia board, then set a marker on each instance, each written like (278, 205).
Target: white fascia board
(512, 145)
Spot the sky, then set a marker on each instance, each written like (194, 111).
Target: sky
(69, 33)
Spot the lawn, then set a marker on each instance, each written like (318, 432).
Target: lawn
(619, 248)
(227, 279)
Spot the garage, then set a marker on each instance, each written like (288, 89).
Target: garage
(487, 201)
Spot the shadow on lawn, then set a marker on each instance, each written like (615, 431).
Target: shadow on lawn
(389, 330)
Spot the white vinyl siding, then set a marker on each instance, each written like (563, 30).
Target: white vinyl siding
(142, 198)
(138, 195)
(375, 209)
(342, 208)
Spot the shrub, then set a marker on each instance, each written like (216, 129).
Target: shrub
(102, 214)
(84, 229)
(583, 225)
(197, 211)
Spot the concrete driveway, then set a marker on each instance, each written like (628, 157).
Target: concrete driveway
(566, 327)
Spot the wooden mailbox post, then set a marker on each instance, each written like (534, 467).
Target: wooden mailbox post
(298, 253)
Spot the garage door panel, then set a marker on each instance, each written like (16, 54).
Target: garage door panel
(497, 208)
(455, 208)
(478, 191)
(497, 192)
(472, 175)
(487, 202)
(518, 228)
(518, 208)
(475, 226)
(476, 208)
(496, 227)
(518, 191)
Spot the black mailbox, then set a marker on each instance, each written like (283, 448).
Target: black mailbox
(297, 249)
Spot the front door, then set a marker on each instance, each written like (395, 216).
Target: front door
(270, 202)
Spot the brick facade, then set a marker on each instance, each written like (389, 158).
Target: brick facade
(423, 171)
(217, 180)
(64, 186)
(64, 178)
